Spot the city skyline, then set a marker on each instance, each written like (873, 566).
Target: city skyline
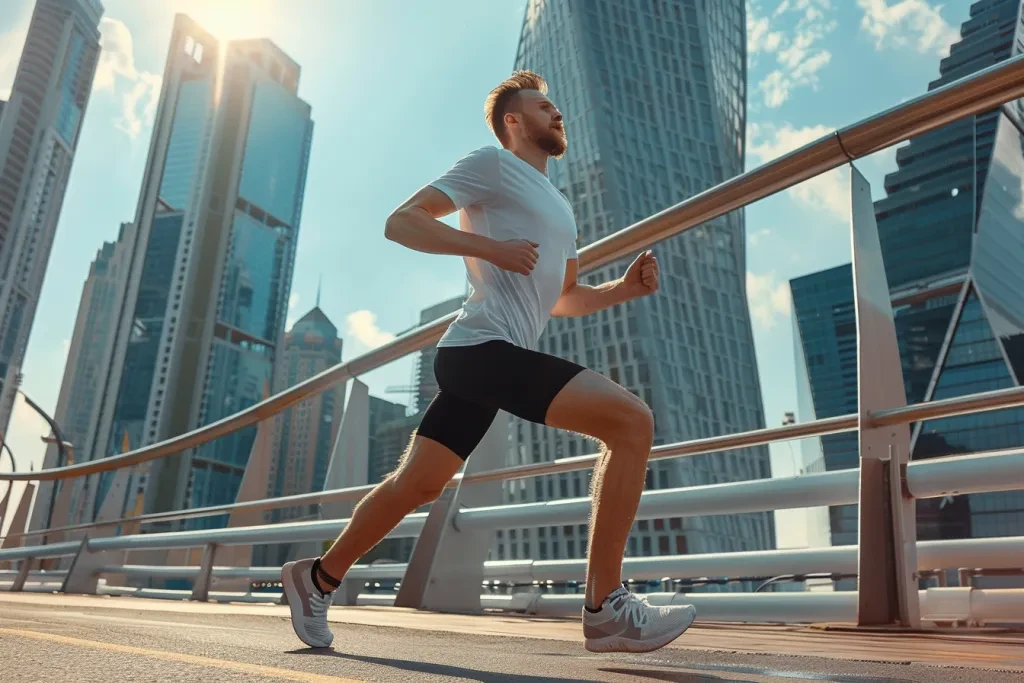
(772, 137)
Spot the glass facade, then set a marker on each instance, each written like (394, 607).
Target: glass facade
(141, 358)
(256, 278)
(952, 247)
(184, 150)
(654, 100)
(826, 341)
(49, 96)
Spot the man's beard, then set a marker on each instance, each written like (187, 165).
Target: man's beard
(551, 141)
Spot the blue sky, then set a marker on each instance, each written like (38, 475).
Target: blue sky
(397, 90)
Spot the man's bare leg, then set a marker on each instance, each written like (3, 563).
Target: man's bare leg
(592, 404)
(309, 583)
(615, 620)
(421, 476)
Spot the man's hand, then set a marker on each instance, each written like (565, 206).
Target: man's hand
(518, 256)
(642, 275)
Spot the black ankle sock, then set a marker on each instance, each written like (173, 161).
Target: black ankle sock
(324, 582)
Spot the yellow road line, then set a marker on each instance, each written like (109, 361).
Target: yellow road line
(286, 674)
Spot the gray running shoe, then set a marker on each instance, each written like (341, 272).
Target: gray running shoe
(308, 604)
(628, 623)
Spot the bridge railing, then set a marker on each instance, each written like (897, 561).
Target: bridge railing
(447, 566)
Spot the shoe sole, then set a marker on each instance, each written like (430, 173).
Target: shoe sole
(620, 644)
(295, 604)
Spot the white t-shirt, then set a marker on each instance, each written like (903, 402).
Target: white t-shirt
(502, 197)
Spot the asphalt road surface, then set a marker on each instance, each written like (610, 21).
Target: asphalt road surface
(67, 638)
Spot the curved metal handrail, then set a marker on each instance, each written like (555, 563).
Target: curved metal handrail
(714, 444)
(974, 94)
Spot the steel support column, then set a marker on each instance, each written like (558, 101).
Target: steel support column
(888, 528)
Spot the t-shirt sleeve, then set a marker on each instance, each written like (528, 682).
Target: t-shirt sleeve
(473, 179)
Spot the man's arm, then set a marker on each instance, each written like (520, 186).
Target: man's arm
(414, 225)
(578, 299)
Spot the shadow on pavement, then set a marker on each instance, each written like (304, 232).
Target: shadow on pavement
(431, 668)
(495, 677)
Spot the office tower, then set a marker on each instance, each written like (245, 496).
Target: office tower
(384, 448)
(306, 432)
(654, 100)
(952, 248)
(426, 384)
(39, 131)
(218, 221)
(825, 341)
(85, 371)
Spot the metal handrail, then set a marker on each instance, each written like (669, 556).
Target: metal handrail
(832, 425)
(980, 92)
(962, 405)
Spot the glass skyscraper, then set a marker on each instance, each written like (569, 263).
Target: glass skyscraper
(85, 373)
(306, 432)
(39, 131)
(825, 336)
(952, 244)
(654, 99)
(218, 219)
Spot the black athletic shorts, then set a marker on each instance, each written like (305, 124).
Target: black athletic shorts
(475, 382)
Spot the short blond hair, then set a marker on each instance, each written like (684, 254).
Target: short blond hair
(504, 96)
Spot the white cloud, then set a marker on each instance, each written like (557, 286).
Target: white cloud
(12, 42)
(769, 298)
(139, 91)
(363, 326)
(799, 57)
(754, 238)
(906, 22)
(293, 301)
(828, 193)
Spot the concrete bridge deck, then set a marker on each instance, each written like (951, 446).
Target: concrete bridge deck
(83, 638)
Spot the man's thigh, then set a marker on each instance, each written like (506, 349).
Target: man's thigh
(594, 405)
(453, 424)
(503, 376)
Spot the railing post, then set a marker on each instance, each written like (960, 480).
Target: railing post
(201, 588)
(82, 576)
(349, 464)
(887, 584)
(446, 570)
(22, 577)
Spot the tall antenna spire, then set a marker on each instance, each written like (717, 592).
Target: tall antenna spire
(319, 286)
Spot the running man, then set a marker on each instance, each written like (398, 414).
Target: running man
(518, 240)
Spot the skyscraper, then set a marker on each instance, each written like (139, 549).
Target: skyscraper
(825, 337)
(203, 317)
(654, 100)
(39, 131)
(306, 432)
(385, 447)
(952, 247)
(85, 371)
(426, 383)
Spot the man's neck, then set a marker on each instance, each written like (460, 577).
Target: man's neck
(534, 156)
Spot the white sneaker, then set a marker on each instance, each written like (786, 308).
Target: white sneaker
(628, 623)
(307, 603)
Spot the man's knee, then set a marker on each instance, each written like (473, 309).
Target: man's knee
(630, 425)
(416, 488)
